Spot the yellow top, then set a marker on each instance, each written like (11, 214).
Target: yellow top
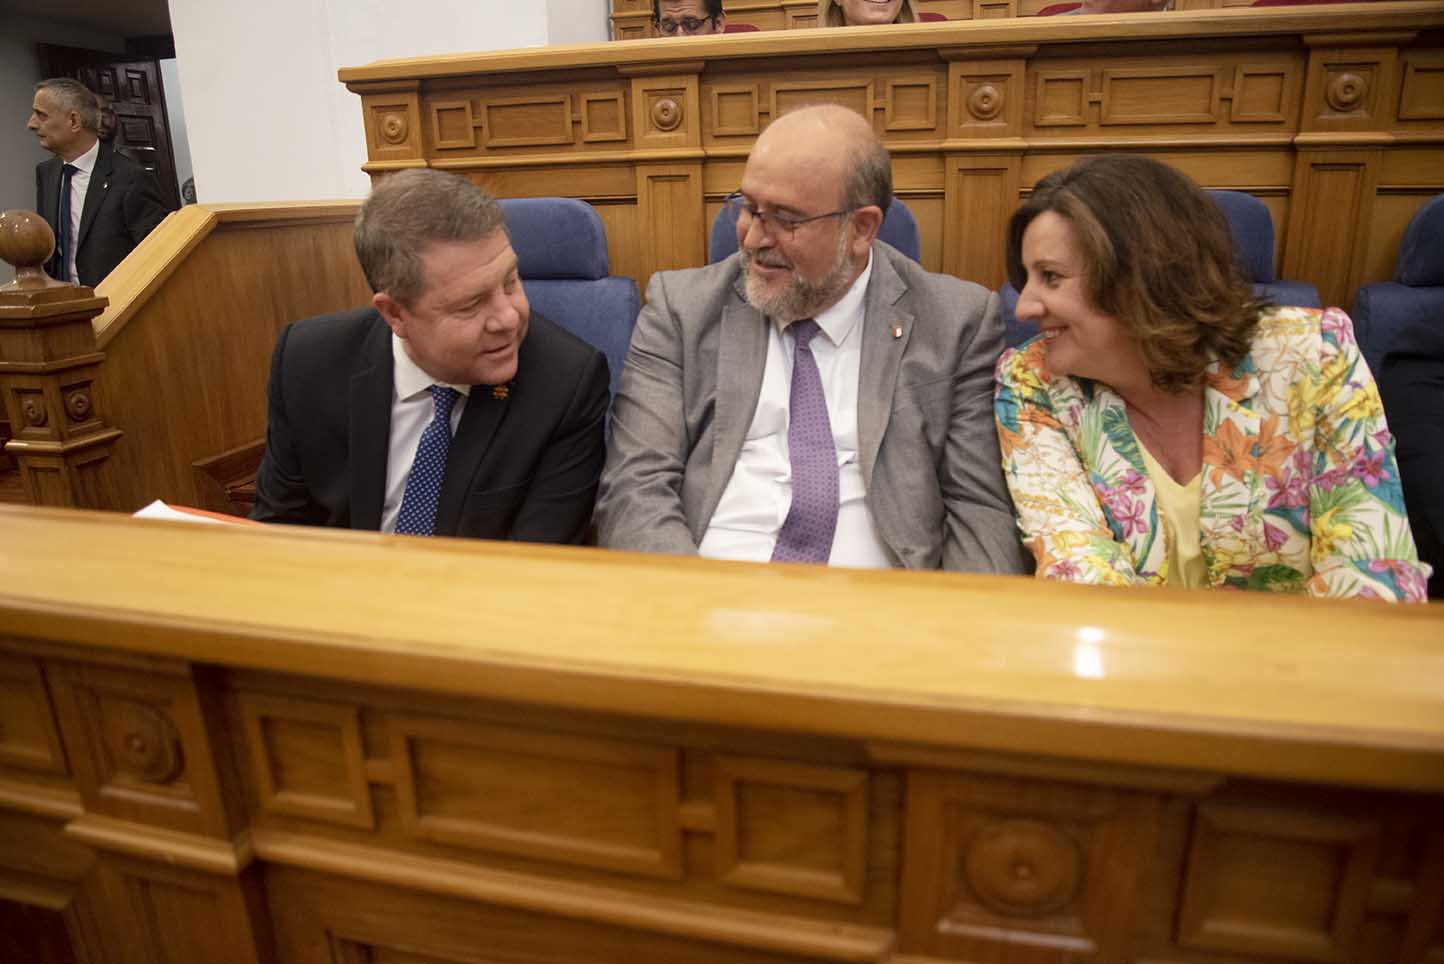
(1178, 505)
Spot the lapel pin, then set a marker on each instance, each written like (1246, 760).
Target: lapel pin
(500, 392)
(897, 331)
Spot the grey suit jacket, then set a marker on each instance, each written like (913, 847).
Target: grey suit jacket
(929, 447)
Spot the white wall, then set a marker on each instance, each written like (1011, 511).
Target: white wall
(267, 118)
(175, 114)
(19, 72)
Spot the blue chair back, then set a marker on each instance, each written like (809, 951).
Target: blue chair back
(1416, 294)
(1253, 241)
(561, 250)
(899, 229)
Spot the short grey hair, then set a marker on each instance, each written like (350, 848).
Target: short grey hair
(72, 95)
(411, 210)
(869, 176)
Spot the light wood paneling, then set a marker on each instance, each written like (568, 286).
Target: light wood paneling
(694, 761)
(1263, 100)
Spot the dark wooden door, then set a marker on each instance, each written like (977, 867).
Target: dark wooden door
(132, 89)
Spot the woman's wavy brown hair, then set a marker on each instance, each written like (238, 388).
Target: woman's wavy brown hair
(1158, 257)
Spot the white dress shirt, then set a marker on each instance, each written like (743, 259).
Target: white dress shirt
(79, 184)
(758, 495)
(412, 409)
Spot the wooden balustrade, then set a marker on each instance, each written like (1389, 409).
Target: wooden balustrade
(156, 386)
(251, 745)
(1332, 115)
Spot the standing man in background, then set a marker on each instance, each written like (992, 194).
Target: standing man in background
(100, 204)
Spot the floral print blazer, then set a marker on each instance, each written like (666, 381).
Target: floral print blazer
(1300, 492)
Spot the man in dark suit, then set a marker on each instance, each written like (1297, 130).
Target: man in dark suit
(446, 408)
(1411, 383)
(816, 397)
(100, 204)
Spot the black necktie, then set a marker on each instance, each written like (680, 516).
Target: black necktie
(62, 226)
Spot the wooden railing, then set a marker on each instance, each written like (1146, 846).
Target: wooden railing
(154, 385)
(1332, 115)
(632, 19)
(252, 745)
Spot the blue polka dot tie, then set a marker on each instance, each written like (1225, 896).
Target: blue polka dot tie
(807, 533)
(423, 485)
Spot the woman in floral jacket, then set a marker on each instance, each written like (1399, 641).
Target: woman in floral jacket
(1167, 428)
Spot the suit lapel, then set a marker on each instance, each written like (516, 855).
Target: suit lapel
(741, 361)
(95, 192)
(1230, 523)
(372, 386)
(886, 330)
(479, 422)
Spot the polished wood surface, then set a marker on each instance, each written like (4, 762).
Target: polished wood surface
(1332, 115)
(242, 744)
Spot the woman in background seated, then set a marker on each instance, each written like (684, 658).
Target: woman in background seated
(858, 13)
(1167, 428)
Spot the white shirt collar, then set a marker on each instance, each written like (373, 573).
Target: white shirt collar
(85, 163)
(409, 378)
(838, 321)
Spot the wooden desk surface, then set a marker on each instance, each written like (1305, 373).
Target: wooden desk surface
(1348, 692)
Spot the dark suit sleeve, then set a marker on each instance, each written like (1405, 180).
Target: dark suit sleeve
(144, 207)
(981, 532)
(640, 506)
(1411, 381)
(281, 491)
(559, 501)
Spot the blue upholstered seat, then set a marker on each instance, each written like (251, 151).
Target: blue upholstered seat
(1380, 310)
(899, 229)
(561, 250)
(1252, 228)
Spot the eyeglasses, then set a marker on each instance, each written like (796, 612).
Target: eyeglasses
(687, 25)
(775, 223)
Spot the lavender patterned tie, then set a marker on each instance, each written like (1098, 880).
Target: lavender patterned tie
(806, 535)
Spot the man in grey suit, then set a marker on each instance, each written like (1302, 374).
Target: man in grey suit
(818, 396)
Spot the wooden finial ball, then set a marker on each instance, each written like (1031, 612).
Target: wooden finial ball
(26, 241)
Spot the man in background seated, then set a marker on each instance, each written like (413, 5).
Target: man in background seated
(1411, 383)
(99, 203)
(447, 407)
(688, 18)
(818, 396)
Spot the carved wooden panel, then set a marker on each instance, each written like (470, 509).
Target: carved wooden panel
(854, 94)
(1276, 883)
(669, 201)
(1061, 98)
(1423, 940)
(593, 802)
(1160, 95)
(28, 736)
(393, 123)
(1260, 94)
(1421, 90)
(788, 828)
(139, 747)
(1349, 89)
(1002, 869)
(910, 105)
(453, 125)
(181, 917)
(987, 98)
(735, 110)
(982, 192)
(667, 111)
(1332, 189)
(308, 759)
(537, 121)
(604, 117)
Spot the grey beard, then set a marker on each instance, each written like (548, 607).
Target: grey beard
(801, 298)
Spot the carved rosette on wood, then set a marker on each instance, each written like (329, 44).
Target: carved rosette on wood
(48, 371)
